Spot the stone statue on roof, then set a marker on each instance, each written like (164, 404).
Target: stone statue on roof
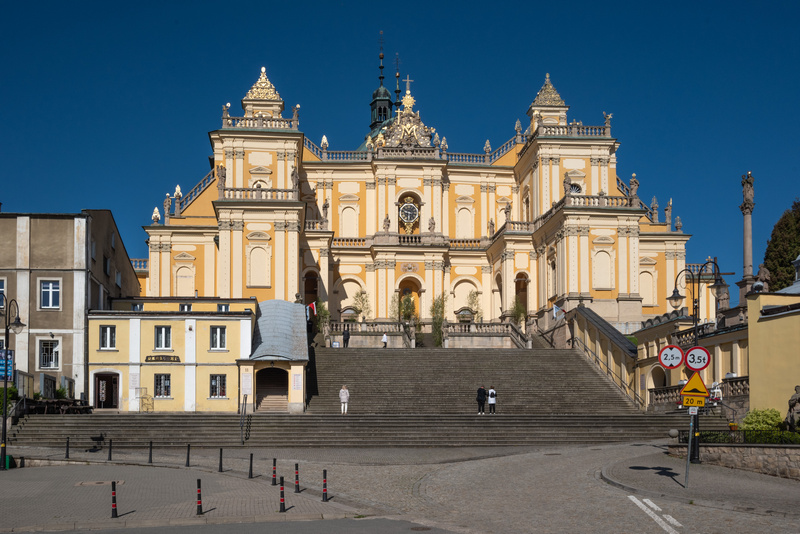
(295, 178)
(431, 225)
(325, 207)
(748, 193)
(764, 276)
(386, 223)
(634, 186)
(491, 227)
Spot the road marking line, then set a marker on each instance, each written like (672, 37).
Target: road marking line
(651, 504)
(672, 520)
(660, 522)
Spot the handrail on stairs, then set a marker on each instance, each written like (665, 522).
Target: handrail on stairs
(243, 412)
(616, 379)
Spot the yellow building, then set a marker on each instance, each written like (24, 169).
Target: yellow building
(169, 355)
(543, 218)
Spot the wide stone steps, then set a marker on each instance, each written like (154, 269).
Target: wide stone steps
(223, 430)
(424, 381)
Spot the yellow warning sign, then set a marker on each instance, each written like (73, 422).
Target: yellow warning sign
(689, 400)
(695, 387)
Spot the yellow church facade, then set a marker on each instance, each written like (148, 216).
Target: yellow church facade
(543, 218)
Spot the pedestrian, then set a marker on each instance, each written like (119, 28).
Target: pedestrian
(481, 398)
(344, 398)
(346, 337)
(492, 400)
(385, 340)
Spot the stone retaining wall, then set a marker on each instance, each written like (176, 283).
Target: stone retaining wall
(776, 460)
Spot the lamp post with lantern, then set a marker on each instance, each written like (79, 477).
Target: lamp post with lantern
(15, 326)
(675, 300)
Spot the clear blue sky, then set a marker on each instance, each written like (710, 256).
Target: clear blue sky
(108, 105)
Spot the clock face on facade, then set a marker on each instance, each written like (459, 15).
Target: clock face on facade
(409, 213)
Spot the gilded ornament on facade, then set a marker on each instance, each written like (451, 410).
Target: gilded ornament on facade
(547, 95)
(263, 89)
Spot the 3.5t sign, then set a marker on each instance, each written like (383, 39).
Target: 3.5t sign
(697, 358)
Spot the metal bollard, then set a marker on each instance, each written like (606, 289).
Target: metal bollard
(110, 446)
(220, 459)
(188, 448)
(66, 456)
(250, 473)
(324, 485)
(296, 478)
(113, 499)
(150, 456)
(199, 499)
(274, 461)
(21, 462)
(283, 503)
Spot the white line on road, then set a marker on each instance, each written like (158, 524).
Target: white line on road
(660, 522)
(672, 520)
(651, 504)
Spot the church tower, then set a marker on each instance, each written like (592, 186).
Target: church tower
(381, 106)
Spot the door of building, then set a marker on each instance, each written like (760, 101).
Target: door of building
(106, 390)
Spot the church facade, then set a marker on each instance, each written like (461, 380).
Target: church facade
(543, 220)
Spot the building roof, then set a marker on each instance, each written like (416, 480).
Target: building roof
(280, 332)
(263, 88)
(547, 95)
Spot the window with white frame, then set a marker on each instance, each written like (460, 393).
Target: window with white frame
(50, 294)
(162, 386)
(108, 337)
(185, 307)
(223, 308)
(48, 354)
(2, 292)
(218, 388)
(119, 279)
(217, 337)
(163, 338)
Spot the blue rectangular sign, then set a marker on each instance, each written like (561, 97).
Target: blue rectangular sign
(7, 357)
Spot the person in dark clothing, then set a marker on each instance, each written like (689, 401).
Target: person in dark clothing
(346, 337)
(481, 398)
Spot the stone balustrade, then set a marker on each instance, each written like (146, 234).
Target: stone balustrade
(467, 244)
(139, 264)
(664, 399)
(573, 130)
(259, 123)
(201, 186)
(351, 242)
(257, 193)
(316, 224)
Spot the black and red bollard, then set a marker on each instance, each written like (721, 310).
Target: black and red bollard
(250, 473)
(110, 447)
(296, 478)
(150, 456)
(66, 456)
(188, 448)
(199, 499)
(220, 459)
(113, 500)
(274, 480)
(283, 503)
(324, 485)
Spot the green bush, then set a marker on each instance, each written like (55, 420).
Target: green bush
(12, 393)
(768, 419)
(61, 393)
(437, 315)
(323, 315)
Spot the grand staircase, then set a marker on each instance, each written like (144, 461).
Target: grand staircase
(399, 398)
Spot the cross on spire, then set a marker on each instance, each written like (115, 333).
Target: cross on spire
(408, 81)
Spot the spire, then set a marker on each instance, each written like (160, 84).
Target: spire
(263, 89)
(547, 95)
(381, 105)
(397, 77)
(380, 56)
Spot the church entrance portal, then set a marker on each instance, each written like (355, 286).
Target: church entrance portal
(106, 390)
(272, 390)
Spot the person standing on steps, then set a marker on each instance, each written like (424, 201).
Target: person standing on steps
(481, 398)
(492, 400)
(346, 337)
(344, 398)
(385, 340)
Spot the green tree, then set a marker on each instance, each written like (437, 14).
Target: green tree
(437, 317)
(783, 247)
(408, 310)
(323, 315)
(474, 304)
(518, 311)
(361, 304)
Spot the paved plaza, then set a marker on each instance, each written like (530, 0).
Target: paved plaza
(633, 488)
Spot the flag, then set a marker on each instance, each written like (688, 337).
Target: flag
(313, 307)
(556, 309)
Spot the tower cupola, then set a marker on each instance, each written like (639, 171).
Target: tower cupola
(381, 106)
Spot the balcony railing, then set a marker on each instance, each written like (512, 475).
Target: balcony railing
(257, 193)
(139, 264)
(260, 123)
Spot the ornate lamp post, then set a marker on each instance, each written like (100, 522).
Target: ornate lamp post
(675, 300)
(16, 326)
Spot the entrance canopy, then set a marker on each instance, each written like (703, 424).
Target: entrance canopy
(280, 332)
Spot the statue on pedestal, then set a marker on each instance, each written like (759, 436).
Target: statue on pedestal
(793, 417)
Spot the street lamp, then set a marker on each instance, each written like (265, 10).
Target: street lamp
(675, 300)
(15, 327)
(717, 290)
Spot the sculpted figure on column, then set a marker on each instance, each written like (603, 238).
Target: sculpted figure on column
(386, 223)
(748, 193)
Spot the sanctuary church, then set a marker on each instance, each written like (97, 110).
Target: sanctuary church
(542, 220)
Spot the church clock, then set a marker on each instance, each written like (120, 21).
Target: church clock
(409, 213)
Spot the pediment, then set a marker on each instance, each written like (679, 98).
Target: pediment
(260, 170)
(575, 173)
(184, 256)
(465, 200)
(348, 198)
(603, 240)
(258, 236)
(647, 261)
(504, 200)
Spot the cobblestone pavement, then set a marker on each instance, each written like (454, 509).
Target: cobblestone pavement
(486, 490)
